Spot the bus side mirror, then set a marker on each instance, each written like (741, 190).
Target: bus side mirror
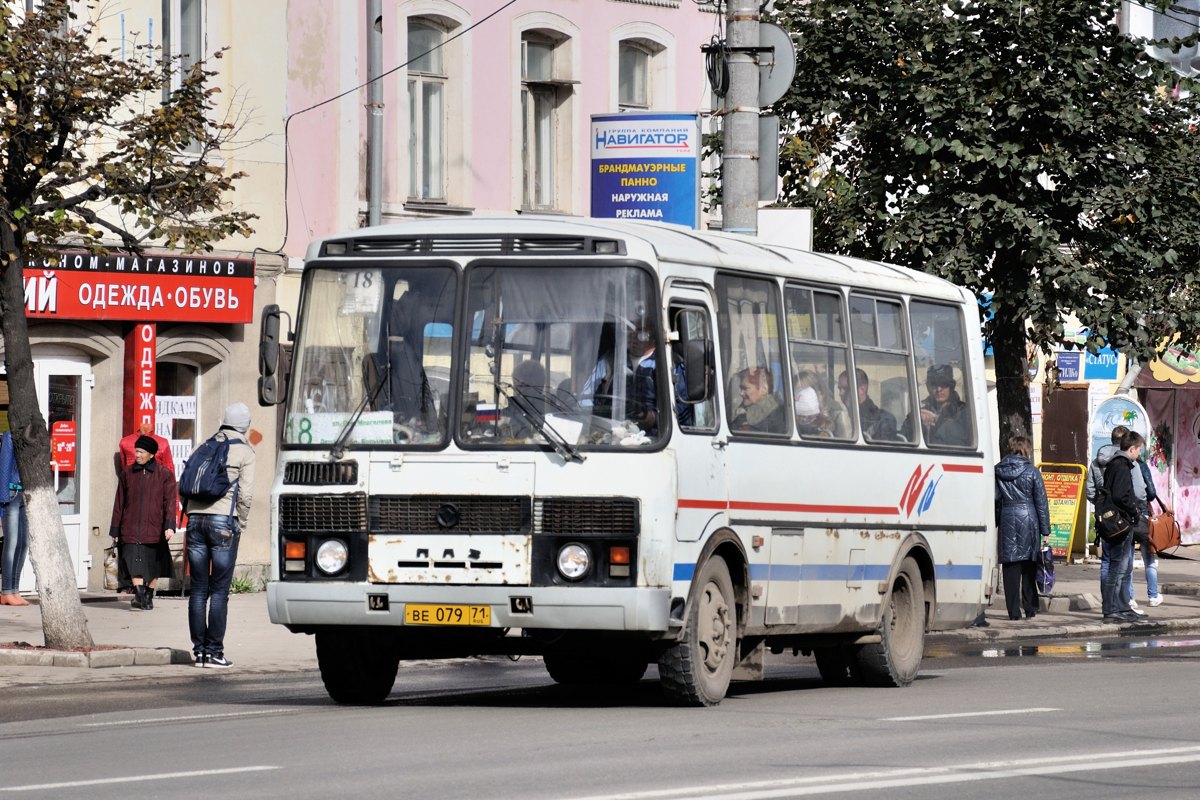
(699, 366)
(268, 357)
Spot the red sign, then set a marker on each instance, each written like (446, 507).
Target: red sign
(119, 286)
(62, 445)
(141, 385)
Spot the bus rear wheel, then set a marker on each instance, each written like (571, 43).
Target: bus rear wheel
(697, 669)
(896, 659)
(358, 667)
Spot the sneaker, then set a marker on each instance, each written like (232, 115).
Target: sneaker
(1137, 611)
(218, 662)
(200, 661)
(1156, 600)
(1133, 604)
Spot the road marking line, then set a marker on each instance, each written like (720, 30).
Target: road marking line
(972, 714)
(134, 779)
(918, 776)
(154, 720)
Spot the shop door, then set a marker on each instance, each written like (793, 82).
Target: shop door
(64, 389)
(1065, 427)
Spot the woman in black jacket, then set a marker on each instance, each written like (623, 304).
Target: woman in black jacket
(1118, 485)
(143, 520)
(1022, 522)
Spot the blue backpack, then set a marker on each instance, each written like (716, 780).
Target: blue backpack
(205, 477)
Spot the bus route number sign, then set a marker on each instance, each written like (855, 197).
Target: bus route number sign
(433, 614)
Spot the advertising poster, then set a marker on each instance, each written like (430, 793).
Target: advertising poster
(646, 167)
(1064, 493)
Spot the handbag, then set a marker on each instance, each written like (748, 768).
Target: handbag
(1111, 525)
(1044, 579)
(1164, 530)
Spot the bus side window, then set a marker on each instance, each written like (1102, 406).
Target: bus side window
(751, 353)
(882, 375)
(692, 325)
(940, 353)
(820, 354)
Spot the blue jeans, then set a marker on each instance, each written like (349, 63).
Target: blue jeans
(1150, 562)
(212, 544)
(16, 541)
(1115, 562)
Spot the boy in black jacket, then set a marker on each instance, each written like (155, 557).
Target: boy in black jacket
(1118, 483)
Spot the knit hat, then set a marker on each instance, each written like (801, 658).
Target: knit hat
(940, 375)
(807, 404)
(237, 416)
(146, 443)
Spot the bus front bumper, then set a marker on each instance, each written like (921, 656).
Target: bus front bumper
(306, 605)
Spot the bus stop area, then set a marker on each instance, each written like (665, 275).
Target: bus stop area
(150, 644)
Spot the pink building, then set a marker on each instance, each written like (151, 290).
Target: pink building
(486, 103)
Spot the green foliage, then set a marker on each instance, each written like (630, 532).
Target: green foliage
(90, 150)
(1028, 149)
(243, 584)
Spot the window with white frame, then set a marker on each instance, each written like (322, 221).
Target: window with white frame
(633, 76)
(545, 93)
(427, 78)
(182, 41)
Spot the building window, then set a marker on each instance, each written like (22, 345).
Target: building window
(545, 92)
(182, 42)
(427, 112)
(633, 82)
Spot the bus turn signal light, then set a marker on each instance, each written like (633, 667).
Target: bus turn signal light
(618, 555)
(293, 550)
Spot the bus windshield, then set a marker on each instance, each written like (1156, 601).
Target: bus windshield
(561, 355)
(374, 352)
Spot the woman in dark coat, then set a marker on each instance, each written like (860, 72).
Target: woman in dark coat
(143, 520)
(1022, 522)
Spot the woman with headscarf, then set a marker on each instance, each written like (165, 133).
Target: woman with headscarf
(143, 520)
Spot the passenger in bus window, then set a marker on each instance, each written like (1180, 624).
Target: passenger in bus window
(943, 413)
(877, 425)
(760, 409)
(839, 417)
(809, 419)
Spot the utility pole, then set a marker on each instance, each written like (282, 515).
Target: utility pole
(739, 168)
(374, 111)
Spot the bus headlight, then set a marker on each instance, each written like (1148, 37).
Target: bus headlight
(332, 556)
(574, 561)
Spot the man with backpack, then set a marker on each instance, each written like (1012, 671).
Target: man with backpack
(216, 487)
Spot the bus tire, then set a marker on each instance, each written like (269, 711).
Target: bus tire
(357, 667)
(838, 665)
(896, 659)
(696, 670)
(575, 668)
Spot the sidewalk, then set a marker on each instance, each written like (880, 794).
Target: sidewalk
(156, 644)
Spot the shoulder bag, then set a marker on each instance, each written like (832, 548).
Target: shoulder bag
(1164, 530)
(1111, 525)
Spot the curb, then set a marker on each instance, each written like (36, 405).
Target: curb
(1073, 629)
(94, 659)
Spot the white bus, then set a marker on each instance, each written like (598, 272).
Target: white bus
(616, 444)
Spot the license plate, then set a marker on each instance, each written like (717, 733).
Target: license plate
(430, 614)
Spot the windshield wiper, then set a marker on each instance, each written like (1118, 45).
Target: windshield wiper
(566, 450)
(339, 445)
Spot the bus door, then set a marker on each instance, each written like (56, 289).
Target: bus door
(698, 443)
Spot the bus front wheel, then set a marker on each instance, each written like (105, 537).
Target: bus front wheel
(358, 667)
(896, 659)
(697, 669)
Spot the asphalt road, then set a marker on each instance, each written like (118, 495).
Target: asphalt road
(1065, 719)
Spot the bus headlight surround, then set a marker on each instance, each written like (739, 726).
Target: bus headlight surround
(332, 556)
(574, 561)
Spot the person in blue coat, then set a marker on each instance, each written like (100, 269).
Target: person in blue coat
(16, 527)
(1022, 523)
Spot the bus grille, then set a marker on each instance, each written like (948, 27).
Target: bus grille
(468, 514)
(582, 516)
(321, 473)
(322, 513)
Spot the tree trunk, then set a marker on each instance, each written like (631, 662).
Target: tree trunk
(63, 622)
(1012, 392)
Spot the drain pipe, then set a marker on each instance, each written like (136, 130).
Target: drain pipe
(374, 111)
(1133, 368)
